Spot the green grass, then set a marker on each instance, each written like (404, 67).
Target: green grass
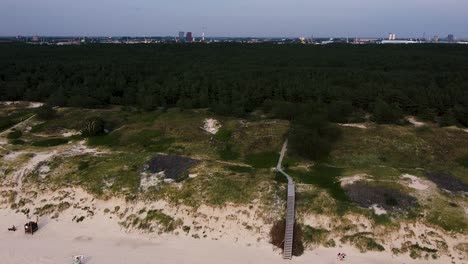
(108, 140)
(316, 236)
(449, 216)
(463, 161)
(240, 169)
(112, 174)
(324, 177)
(227, 152)
(225, 188)
(50, 142)
(363, 242)
(223, 135)
(262, 160)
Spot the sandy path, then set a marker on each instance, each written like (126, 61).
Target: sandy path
(102, 241)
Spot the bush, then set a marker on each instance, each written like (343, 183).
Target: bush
(93, 127)
(385, 113)
(312, 138)
(339, 111)
(46, 112)
(277, 237)
(14, 134)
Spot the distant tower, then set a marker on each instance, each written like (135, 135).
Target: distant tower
(451, 38)
(181, 36)
(203, 37)
(189, 37)
(391, 36)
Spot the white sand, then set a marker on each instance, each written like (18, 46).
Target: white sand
(352, 179)
(35, 104)
(356, 125)
(415, 122)
(211, 126)
(13, 155)
(70, 133)
(378, 210)
(416, 183)
(30, 166)
(102, 241)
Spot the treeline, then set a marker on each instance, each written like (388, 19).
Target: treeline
(345, 82)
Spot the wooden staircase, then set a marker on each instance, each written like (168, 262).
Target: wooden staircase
(289, 230)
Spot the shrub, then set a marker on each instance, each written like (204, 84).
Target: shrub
(93, 127)
(46, 112)
(14, 134)
(277, 237)
(313, 137)
(385, 113)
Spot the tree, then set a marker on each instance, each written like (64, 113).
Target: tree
(339, 111)
(313, 137)
(385, 113)
(46, 112)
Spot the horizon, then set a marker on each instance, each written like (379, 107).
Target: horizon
(254, 18)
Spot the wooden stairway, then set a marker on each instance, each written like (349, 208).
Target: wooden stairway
(289, 230)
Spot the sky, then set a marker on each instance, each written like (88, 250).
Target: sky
(235, 18)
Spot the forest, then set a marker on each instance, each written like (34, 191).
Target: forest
(341, 82)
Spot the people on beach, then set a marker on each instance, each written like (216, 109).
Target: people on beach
(341, 256)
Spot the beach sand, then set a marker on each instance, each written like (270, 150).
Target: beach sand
(102, 241)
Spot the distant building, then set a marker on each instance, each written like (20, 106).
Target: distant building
(435, 39)
(391, 36)
(181, 36)
(451, 38)
(399, 41)
(35, 39)
(189, 37)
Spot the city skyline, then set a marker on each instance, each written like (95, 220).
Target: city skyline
(254, 18)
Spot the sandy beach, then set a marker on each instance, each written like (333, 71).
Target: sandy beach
(102, 241)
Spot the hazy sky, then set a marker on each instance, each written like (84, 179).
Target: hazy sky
(372, 18)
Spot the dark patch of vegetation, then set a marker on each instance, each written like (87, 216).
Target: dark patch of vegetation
(17, 142)
(311, 137)
(324, 177)
(391, 199)
(46, 112)
(386, 113)
(12, 119)
(174, 166)
(226, 152)
(280, 178)
(262, 160)
(93, 127)
(108, 140)
(447, 181)
(50, 142)
(223, 135)
(277, 237)
(16, 134)
(463, 161)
